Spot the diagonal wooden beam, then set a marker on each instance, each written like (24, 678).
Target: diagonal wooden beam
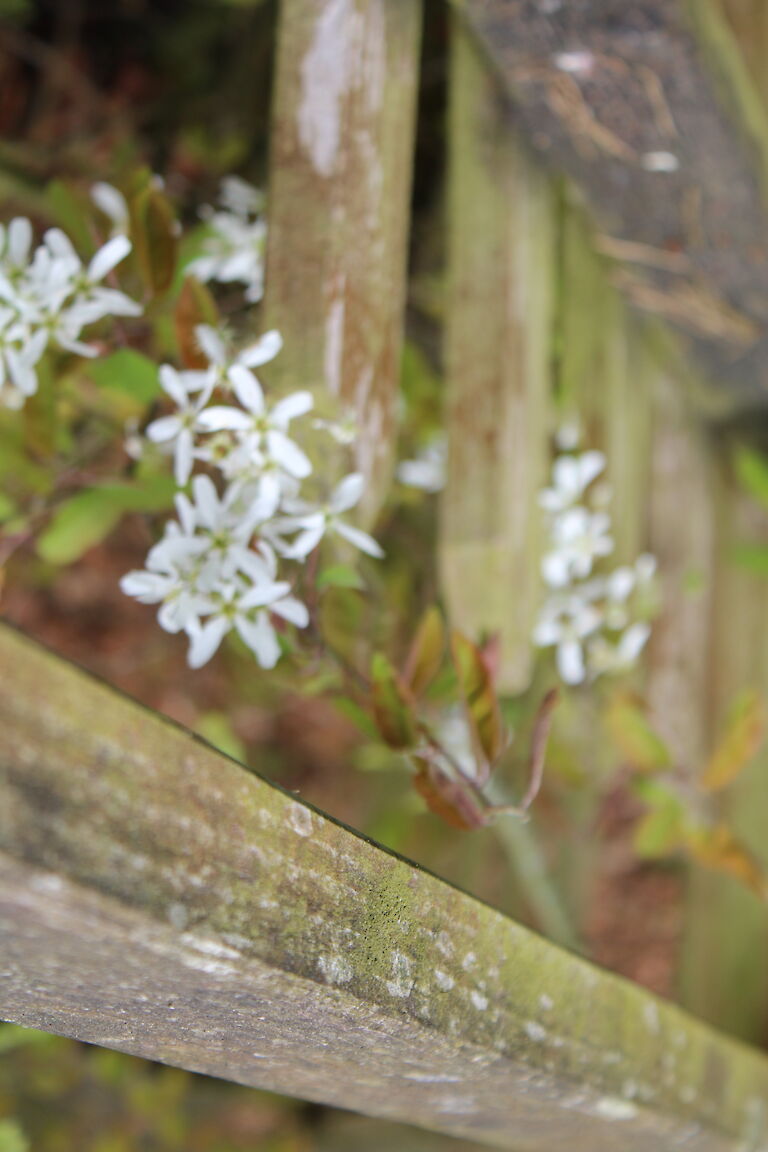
(648, 108)
(157, 898)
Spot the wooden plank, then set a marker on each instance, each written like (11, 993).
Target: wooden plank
(749, 21)
(156, 897)
(342, 142)
(647, 108)
(723, 976)
(682, 513)
(498, 363)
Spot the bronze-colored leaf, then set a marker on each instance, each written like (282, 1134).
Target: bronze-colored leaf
(480, 699)
(717, 847)
(427, 650)
(194, 306)
(743, 736)
(154, 232)
(446, 797)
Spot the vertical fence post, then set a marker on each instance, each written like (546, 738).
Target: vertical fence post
(498, 357)
(682, 538)
(339, 193)
(725, 955)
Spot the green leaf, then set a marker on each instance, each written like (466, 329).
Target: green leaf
(67, 210)
(479, 696)
(659, 832)
(12, 1139)
(357, 715)
(87, 518)
(753, 557)
(392, 709)
(129, 372)
(7, 508)
(752, 473)
(426, 654)
(664, 827)
(637, 742)
(340, 576)
(740, 741)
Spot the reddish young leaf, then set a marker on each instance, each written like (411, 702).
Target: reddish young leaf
(447, 798)
(426, 654)
(194, 306)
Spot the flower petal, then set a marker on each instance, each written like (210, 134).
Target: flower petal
(297, 404)
(570, 662)
(358, 538)
(347, 492)
(108, 257)
(262, 351)
(205, 640)
(260, 637)
(288, 455)
(247, 389)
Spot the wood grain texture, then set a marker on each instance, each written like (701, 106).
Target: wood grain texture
(648, 108)
(342, 142)
(499, 332)
(726, 945)
(155, 897)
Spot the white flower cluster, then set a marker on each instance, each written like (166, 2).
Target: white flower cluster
(217, 568)
(234, 250)
(427, 470)
(589, 617)
(47, 297)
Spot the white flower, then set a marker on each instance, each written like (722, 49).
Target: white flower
(571, 476)
(618, 587)
(565, 623)
(113, 204)
(605, 656)
(221, 358)
(579, 538)
(568, 435)
(219, 528)
(316, 522)
(239, 607)
(179, 431)
(48, 299)
(265, 430)
(344, 431)
(233, 252)
(427, 470)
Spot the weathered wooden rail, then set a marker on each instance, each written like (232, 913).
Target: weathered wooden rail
(157, 898)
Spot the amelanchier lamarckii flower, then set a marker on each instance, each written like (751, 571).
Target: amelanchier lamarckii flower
(265, 430)
(315, 522)
(47, 298)
(589, 616)
(224, 564)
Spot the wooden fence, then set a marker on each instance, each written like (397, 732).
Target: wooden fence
(164, 902)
